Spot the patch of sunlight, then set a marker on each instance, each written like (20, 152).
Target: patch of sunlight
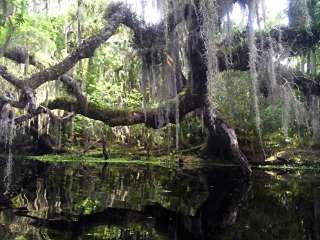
(288, 167)
(275, 14)
(148, 11)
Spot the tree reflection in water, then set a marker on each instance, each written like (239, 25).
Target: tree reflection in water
(92, 201)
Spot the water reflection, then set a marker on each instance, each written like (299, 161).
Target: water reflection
(95, 201)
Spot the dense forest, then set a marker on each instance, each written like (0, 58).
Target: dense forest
(80, 73)
(232, 84)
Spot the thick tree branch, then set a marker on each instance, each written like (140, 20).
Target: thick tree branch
(309, 85)
(237, 56)
(74, 86)
(293, 40)
(147, 36)
(296, 39)
(85, 50)
(306, 84)
(13, 103)
(20, 55)
(10, 77)
(155, 117)
(116, 14)
(29, 116)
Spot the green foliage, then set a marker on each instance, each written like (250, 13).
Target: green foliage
(112, 75)
(15, 10)
(3, 34)
(40, 33)
(12, 16)
(314, 10)
(271, 115)
(90, 206)
(234, 99)
(192, 132)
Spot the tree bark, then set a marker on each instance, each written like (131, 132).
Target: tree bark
(115, 117)
(20, 55)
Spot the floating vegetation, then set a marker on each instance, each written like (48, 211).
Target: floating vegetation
(163, 161)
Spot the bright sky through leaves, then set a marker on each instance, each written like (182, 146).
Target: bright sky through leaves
(275, 11)
(148, 10)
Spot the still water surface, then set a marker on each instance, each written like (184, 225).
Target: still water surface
(127, 201)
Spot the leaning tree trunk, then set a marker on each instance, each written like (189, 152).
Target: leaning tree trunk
(222, 141)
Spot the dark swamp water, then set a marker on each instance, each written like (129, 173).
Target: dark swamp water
(41, 200)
